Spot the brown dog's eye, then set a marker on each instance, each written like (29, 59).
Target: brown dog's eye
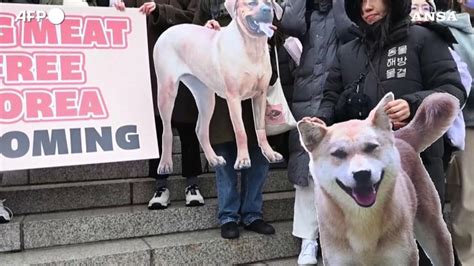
(340, 154)
(370, 147)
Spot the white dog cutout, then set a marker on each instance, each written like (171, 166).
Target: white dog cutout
(373, 194)
(233, 62)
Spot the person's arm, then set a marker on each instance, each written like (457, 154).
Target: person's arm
(439, 72)
(333, 89)
(293, 22)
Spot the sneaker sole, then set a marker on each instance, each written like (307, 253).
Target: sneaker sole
(194, 203)
(157, 206)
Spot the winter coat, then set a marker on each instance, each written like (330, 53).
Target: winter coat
(414, 64)
(464, 34)
(321, 32)
(167, 14)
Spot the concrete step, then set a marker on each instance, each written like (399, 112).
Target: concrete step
(96, 172)
(280, 262)
(74, 227)
(200, 247)
(108, 193)
(91, 172)
(10, 235)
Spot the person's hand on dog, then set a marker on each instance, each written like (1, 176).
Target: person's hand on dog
(398, 111)
(313, 120)
(213, 25)
(147, 8)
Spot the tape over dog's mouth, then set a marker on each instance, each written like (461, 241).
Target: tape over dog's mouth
(364, 196)
(260, 27)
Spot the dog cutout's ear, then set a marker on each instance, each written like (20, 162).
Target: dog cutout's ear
(311, 131)
(230, 5)
(277, 9)
(378, 117)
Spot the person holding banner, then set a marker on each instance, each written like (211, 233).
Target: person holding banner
(161, 15)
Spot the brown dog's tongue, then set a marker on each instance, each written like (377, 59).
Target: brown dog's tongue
(267, 28)
(365, 196)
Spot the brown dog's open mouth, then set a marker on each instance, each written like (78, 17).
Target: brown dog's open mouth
(364, 196)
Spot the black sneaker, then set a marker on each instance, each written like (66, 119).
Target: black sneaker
(261, 227)
(230, 230)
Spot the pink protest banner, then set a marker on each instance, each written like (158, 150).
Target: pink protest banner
(74, 87)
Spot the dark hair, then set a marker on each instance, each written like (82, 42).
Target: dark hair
(444, 5)
(455, 6)
(376, 34)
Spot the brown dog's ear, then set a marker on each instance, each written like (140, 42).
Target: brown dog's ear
(277, 9)
(230, 6)
(378, 117)
(312, 131)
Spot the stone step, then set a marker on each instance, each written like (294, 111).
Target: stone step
(200, 247)
(10, 235)
(90, 172)
(94, 172)
(280, 262)
(108, 193)
(75, 227)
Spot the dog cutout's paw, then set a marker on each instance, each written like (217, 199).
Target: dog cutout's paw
(216, 161)
(242, 164)
(165, 168)
(273, 157)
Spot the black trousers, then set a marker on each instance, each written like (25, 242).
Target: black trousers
(190, 153)
(432, 159)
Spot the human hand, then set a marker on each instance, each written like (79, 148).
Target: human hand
(397, 110)
(398, 125)
(213, 25)
(313, 120)
(147, 8)
(120, 6)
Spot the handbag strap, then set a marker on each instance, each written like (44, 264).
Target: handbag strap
(379, 83)
(276, 61)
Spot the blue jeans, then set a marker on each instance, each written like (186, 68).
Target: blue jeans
(245, 206)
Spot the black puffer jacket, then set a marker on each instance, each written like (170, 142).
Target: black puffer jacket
(414, 63)
(321, 29)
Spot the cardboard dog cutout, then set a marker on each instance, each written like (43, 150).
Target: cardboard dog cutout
(233, 63)
(373, 194)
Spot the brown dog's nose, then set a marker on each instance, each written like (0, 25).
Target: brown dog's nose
(362, 178)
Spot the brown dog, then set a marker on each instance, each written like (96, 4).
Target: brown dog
(233, 63)
(373, 194)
